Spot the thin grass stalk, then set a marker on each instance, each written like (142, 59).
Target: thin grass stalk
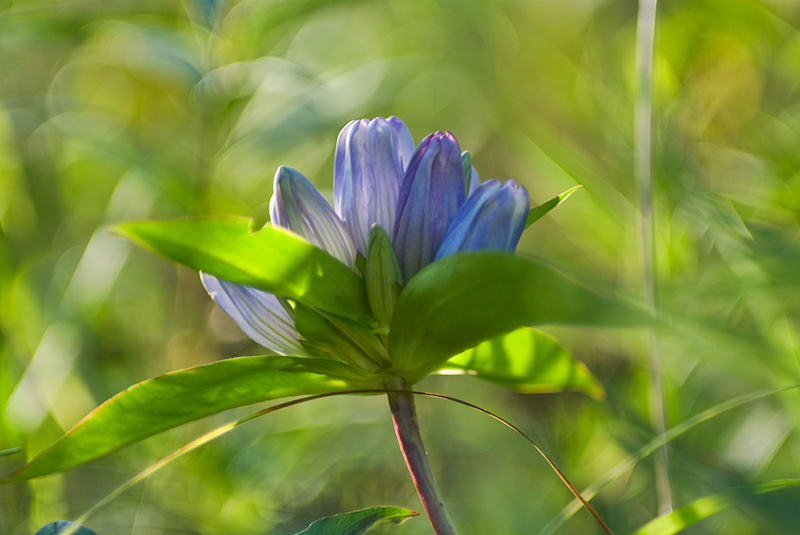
(645, 35)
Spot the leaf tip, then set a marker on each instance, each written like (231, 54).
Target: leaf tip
(598, 393)
(570, 191)
(125, 229)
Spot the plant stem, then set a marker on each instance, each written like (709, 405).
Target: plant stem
(404, 416)
(645, 34)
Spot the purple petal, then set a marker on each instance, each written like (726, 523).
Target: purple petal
(431, 194)
(260, 315)
(493, 218)
(298, 206)
(474, 181)
(371, 158)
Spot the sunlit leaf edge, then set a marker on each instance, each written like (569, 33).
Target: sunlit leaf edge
(113, 424)
(590, 386)
(228, 248)
(364, 520)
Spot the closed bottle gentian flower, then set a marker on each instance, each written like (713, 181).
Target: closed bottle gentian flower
(493, 218)
(428, 203)
(261, 315)
(432, 192)
(371, 159)
(298, 206)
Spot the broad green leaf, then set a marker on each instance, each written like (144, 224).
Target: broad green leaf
(539, 211)
(179, 397)
(528, 361)
(55, 528)
(358, 522)
(703, 508)
(272, 259)
(467, 298)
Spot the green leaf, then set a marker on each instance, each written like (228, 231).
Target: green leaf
(179, 397)
(358, 522)
(528, 361)
(538, 212)
(703, 508)
(54, 528)
(272, 259)
(466, 169)
(467, 298)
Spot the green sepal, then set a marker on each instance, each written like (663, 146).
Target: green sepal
(10, 451)
(383, 277)
(538, 212)
(323, 337)
(361, 263)
(466, 167)
(362, 337)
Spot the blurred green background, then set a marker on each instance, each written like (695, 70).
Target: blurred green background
(120, 110)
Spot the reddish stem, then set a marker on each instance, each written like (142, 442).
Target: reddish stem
(407, 429)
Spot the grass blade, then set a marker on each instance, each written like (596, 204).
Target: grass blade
(703, 508)
(674, 432)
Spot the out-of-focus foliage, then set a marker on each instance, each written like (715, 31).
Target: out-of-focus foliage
(113, 111)
(701, 509)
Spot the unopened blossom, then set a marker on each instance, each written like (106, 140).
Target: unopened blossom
(298, 206)
(425, 204)
(493, 218)
(433, 191)
(371, 160)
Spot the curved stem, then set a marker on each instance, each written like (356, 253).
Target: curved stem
(404, 416)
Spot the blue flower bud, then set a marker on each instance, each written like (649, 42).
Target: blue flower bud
(371, 159)
(492, 218)
(431, 194)
(261, 315)
(298, 206)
